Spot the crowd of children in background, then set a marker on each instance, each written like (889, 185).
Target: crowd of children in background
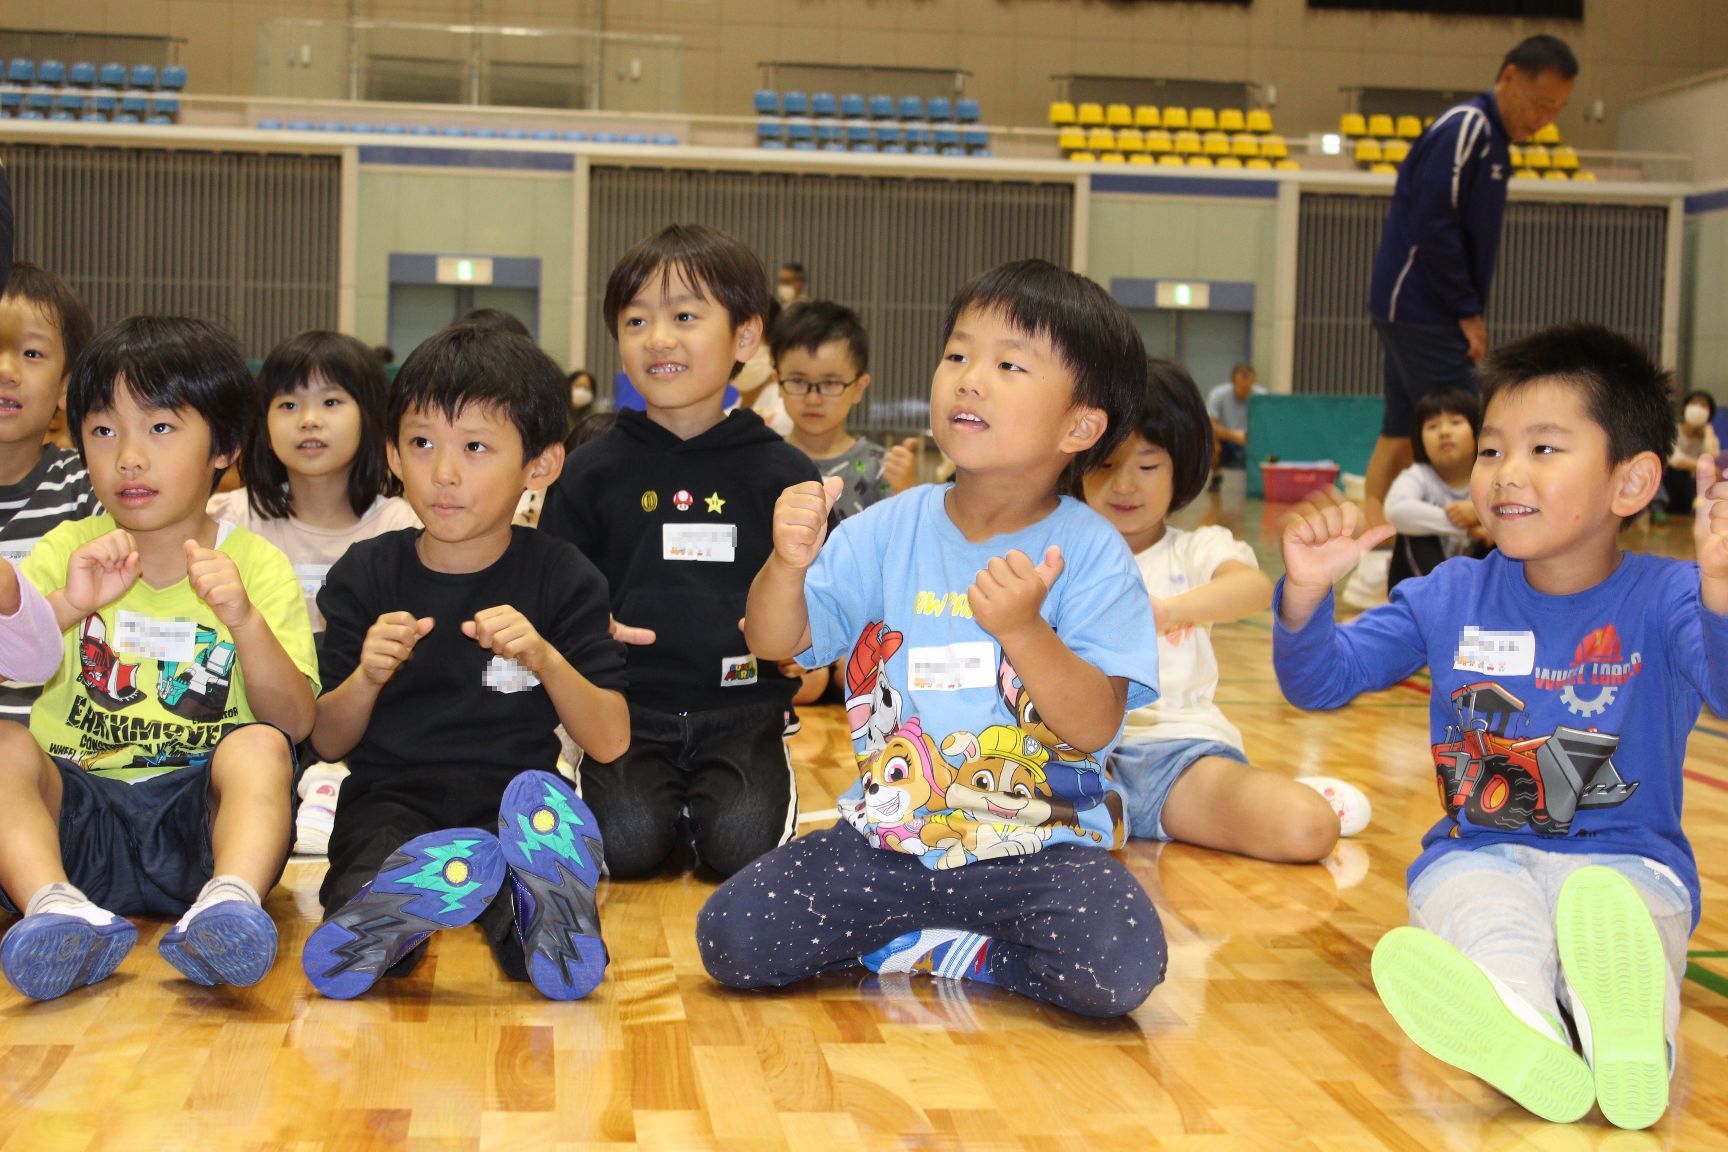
(1023, 656)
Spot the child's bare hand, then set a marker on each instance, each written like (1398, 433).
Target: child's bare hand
(506, 632)
(1462, 513)
(900, 466)
(1321, 541)
(215, 579)
(801, 520)
(1710, 521)
(389, 642)
(628, 634)
(101, 571)
(1006, 595)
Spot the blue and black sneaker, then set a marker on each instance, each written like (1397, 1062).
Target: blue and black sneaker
(443, 879)
(552, 844)
(49, 954)
(233, 942)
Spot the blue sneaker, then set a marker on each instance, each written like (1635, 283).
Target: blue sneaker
(552, 843)
(233, 942)
(49, 954)
(946, 952)
(443, 879)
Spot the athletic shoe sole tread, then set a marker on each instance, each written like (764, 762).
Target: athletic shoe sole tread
(47, 955)
(552, 845)
(233, 942)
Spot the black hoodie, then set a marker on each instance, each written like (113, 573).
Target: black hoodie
(635, 497)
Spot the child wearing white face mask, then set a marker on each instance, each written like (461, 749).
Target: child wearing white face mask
(1695, 437)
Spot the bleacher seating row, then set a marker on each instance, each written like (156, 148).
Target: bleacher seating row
(1172, 160)
(864, 136)
(21, 70)
(455, 131)
(1381, 143)
(853, 106)
(50, 90)
(1186, 142)
(1063, 114)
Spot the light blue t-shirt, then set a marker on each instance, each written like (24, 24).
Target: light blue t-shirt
(955, 763)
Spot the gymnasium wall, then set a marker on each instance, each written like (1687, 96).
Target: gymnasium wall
(1011, 47)
(1704, 277)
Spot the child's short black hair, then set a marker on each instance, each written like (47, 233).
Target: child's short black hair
(719, 266)
(818, 322)
(1453, 400)
(1622, 389)
(592, 426)
(55, 298)
(169, 362)
(472, 364)
(1091, 333)
(1172, 415)
(496, 319)
(352, 367)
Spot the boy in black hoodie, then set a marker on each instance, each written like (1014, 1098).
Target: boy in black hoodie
(675, 505)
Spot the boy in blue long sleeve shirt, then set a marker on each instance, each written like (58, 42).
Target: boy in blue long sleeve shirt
(1566, 679)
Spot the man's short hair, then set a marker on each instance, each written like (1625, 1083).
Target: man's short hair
(1535, 55)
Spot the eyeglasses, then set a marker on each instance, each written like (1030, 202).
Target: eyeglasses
(798, 386)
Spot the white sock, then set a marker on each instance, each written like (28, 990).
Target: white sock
(58, 897)
(217, 890)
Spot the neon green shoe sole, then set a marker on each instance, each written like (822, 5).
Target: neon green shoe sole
(1450, 1008)
(1613, 962)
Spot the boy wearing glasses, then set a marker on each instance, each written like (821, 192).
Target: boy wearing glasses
(821, 357)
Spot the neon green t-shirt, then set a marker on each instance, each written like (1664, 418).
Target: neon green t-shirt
(150, 682)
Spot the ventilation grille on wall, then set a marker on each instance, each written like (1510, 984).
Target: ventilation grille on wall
(1558, 262)
(247, 240)
(893, 249)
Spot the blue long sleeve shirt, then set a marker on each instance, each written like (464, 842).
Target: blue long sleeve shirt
(1442, 234)
(1558, 722)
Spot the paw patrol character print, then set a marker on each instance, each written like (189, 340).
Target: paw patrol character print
(872, 704)
(1065, 759)
(906, 780)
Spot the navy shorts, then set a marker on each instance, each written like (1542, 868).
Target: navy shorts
(1421, 359)
(136, 849)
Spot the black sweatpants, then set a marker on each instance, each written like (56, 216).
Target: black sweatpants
(1069, 925)
(728, 767)
(378, 815)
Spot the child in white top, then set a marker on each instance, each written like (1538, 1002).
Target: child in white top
(1429, 503)
(1180, 759)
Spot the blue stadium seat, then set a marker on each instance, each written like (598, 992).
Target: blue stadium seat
(939, 108)
(664, 141)
(769, 130)
(834, 146)
(826, 132)
(604, 137)
(51, 72)
(799, 131)
(93, 117)
(983, 154)
(104, 100)
(174, 77)
(69, 101)
(114, 75)
(766, 102)
(975, 138)
(82, 74)
(918, 137)
(953, 151)
(894, 149)
(293, 125)
(31, 114)
(824, 104)
(170, 106)
(63, 115)
(542, 134)
(159, 121)
(393, 129)
(39, 100)
(143, 75)
(803, 145)
(125, 118)
(11, 99)
(136, 103)
(794, 104)
(888, 134)
(21, 70)
(911, 108)
(864, 146)
(269, 125)
(485, 133)
(923, 150)
(453, 131)
(966, 110)
(851, 105)
(362, 127)
(636, 138)
(576, 137)
(779, 145)
(513, 134)
(882, 107)
(947, 137)
(5, 115)
(858, 134)
(423, 130)
(332, 126)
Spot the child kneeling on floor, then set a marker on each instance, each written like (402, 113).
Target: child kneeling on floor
(1567, 676)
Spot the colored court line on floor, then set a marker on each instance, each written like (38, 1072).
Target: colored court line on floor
(1708, 955)
(1707, 979)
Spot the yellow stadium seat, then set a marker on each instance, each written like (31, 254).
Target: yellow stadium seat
(1101, 140)
(1395, 151)
(1289, 166)
(1585, 175)
(1159, 141)
(1112, 158)
(1061, 112)
(1566, 158)
(1140, 158)
(1549, 134)
(1200, 162)
(1243, 144)
(1259, 164)
(1146, 116)
(1232, 120)
(1203, 119)
(1170, 160)
(1090, 114)
(1259, 120)
(1130, 140)
(1188, 142)
(1524, 174)
(1409, 127)
(1381, 125)
(1368, 151)
(1555, 174)
(1229, 162)
(1215, 144)
(1273, 147)
(1384, 169)
(1536, 156)
(1517, 151)
(1071, 139)
(1353, 124)
(1119, 116)
(1175, 118)
(1082, 157)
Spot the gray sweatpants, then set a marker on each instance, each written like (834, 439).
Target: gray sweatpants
(1496, 905)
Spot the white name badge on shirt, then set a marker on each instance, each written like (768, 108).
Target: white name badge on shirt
(717, 543)
(1495, 653)
(951, 667)
(17, 550)
(507, 676)
(172, 641)
(311, 577)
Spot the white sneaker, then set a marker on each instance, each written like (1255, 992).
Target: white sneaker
(320, 787)
(1347, 800)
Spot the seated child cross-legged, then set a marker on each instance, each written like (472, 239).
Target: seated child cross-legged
(1180, 759)
(507, 630)
(1567, 676)
(163, 779)
(997, 631)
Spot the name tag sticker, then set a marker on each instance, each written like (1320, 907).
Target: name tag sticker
(507, 676)
(715, 543)
(1495, 653)
(172, 641)
(951, 667)
(311, 577)
(17, 550)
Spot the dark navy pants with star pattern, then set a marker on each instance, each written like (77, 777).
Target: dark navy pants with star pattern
(1069, 926)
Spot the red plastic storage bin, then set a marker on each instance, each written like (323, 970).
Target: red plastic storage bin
(1287, 483)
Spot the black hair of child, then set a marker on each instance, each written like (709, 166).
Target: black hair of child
(589, 427)
(719, 266)
(172, 363)
(1173, 417)
(1709, 402)
(1091, 333)
(471, 364)
(55, 298)
(1448, 400)
(1622, 389)
(352, 367)
(815, 323)
(496, 319)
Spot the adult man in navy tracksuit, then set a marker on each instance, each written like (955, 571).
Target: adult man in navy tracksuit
(1442, 233)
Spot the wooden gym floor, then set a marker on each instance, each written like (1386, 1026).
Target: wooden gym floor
(1266, 1035)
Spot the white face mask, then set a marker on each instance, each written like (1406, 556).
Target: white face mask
(1696, 414)
(581, 397)
(786, 292)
